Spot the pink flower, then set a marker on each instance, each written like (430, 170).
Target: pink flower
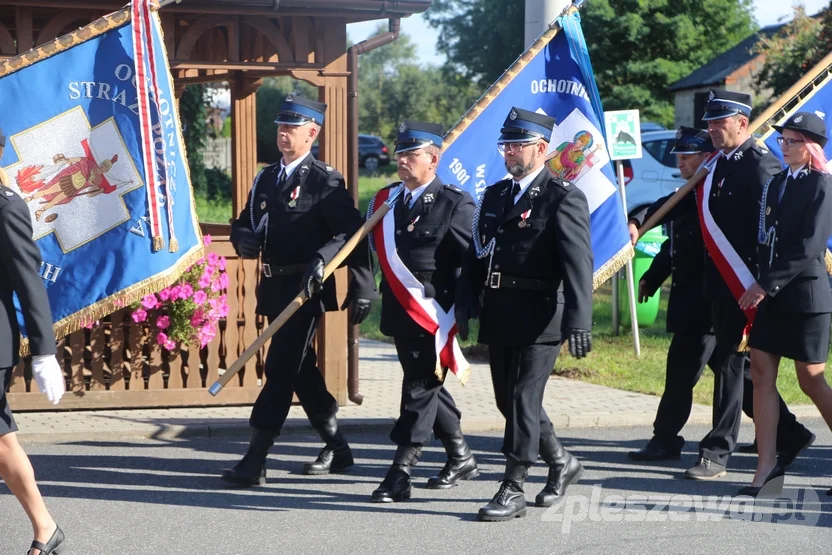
(223, 280)
(213, 259)
(206, 240)
(150, 302)
(139, 315)
(163, 322)
(200, 297)
(170, 344)
(161, 337)
(221, 265)
(197, 318)
(164, 294)
(185, 291)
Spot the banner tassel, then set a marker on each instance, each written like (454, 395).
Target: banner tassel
(158, 243)
(174, 245)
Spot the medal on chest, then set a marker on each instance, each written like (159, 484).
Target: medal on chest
(412, 225)
(293, 197)
(523, 217)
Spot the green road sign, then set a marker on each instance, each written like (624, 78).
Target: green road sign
(623, 134)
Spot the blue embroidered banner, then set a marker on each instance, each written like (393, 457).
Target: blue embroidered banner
(554, 76)
(76, 154)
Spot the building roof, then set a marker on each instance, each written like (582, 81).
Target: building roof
(358, 9)
(718, 69)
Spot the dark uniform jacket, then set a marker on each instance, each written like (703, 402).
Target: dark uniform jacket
(433, 251)
(551, 251)
(20, 261)
(681, 257)
(735, 204)
(793, 238)
(318, 222)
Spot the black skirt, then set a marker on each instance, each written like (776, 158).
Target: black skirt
(7, 424)
(799, 336)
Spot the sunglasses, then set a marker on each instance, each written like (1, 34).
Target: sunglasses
(788, 142)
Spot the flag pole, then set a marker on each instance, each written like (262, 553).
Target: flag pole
(761, 122)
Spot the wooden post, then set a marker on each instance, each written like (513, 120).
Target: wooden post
(332, 349)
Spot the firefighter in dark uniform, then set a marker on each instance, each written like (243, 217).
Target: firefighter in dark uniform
(688, 314)
(529, 278)
(20, 261)
(298, 215)
(791, 295)
(741, 171)
(433, 233)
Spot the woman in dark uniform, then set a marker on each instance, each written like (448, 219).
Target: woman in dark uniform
(792, 294)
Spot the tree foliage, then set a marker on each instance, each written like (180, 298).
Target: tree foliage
(638, 47)
(794, 50)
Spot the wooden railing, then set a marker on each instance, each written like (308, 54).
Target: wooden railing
(116, 364)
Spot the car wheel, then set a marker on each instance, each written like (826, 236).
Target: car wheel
(371, 163)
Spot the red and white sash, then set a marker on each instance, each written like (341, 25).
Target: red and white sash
(730, 265)
(410, 292)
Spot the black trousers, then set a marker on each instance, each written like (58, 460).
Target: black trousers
(425, 403)
(733, 389)
(686, 359)
(292, 367)
(520, 375)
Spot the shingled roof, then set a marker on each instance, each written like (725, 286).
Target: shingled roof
(718, 69)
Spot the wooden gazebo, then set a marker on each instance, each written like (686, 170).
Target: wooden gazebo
(241, 42)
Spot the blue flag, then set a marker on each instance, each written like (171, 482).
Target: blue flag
(111, 206)
(817, 101)
(554, 76)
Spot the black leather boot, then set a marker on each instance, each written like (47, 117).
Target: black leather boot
(251, 470)
(336, 455)
(396, 485)
(510, 501)
(564, 470)
(461, 463)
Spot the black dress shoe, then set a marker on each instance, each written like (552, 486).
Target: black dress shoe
(771, 487)
(461, 464)
(787, 456)
(395, 486)
(54, 546)
(560, 477)
(509, 503)
(654, 452)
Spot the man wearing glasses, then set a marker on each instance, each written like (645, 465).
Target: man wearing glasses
(529, 277)
(421, 244)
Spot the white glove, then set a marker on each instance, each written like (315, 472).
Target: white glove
(49, 377)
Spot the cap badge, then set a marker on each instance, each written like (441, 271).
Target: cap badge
(403, 127)
(798, 119)
(711, 95)
(512, 115)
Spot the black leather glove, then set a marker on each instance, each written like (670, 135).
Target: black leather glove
(247, 243)
(313, 278)
(462, 314)
(580, 342)
(360, 309)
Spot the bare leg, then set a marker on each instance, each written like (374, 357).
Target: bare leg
(813, 383)
(17, 472)
(766, 411)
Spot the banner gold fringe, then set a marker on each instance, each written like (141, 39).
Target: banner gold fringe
(828, 260)
(611, 266)
(122, 299)
(65, 42)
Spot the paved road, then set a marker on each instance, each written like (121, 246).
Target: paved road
(152, 497)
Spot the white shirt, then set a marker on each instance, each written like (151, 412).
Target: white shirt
(525, 182)
(416, 193)
(291, 167)
(793, 174)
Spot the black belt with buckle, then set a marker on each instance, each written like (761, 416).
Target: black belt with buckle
(271, 270)
(498, 280)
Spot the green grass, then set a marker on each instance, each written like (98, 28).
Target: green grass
(612, 361)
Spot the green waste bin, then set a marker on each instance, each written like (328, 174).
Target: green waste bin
(645, 250)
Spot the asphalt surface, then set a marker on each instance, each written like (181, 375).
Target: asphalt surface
(151, 497)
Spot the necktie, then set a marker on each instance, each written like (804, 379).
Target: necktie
(407, 199)
(515, 188)
(281, 178)
(783, 188)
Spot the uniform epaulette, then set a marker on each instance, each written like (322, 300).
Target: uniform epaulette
(7, 194)
(565, 183)
(454, 188)
(323, 166)
(759, 148)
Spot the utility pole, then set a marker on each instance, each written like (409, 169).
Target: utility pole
(539, 14)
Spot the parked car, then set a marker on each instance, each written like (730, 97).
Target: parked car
(654, 175)
(372, 153)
